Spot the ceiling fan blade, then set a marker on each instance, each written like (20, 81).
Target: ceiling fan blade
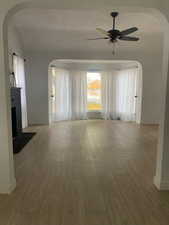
(102, 31)
(101, 38)
(125, 38)
(128, 31)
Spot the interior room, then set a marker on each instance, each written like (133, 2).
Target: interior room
(85, 122)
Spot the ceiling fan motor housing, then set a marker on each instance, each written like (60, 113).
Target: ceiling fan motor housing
(114, 34)
(114, 14)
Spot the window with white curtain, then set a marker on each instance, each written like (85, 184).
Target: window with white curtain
(61, 99)
(113, 94)
(126, 92)
(79, 94)
(19, 71)
(119, 91)
(69, 94)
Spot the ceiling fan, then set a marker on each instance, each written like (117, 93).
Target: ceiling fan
(114, 35)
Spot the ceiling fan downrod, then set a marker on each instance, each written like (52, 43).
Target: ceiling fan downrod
(114, 15)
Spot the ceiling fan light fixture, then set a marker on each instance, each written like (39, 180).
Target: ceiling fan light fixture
(114, 34)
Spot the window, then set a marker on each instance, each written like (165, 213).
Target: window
(94, 91)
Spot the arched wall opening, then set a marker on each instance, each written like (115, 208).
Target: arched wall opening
(98, 66)
(7, 142)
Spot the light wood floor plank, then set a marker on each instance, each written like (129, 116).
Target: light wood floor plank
(92, 172)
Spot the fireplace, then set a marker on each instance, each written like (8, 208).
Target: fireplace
(14, 122)
(20, 139)
(16, 113)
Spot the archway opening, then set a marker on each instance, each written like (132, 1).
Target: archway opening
(53, 55)
(121, 76)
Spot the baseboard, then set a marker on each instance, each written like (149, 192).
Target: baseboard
(12, 186)
(149, 124)
(161, 185)
(94, 115)
(7, 190)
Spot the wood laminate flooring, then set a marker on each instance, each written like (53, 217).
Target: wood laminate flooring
(92, 172)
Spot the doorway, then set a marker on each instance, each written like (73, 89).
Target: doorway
(99, 93)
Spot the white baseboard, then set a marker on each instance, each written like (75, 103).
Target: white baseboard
(12, 186)
(161, 185)
(5, 189)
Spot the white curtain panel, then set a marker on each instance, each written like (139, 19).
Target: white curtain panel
(105, 94)
(79, 94)
(69, 95)
(118, 94)
(61, 95)
(109, 93)
(127, 84)
(19, 71)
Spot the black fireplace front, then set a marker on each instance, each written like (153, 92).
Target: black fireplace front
(16, 112)
(14, 122)
(20, 139)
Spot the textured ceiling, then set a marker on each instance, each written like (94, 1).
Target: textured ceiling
(83, 20)
(68, 30)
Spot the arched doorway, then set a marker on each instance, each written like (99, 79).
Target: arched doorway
(6, 142)
(98, 66)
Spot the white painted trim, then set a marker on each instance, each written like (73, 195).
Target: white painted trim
(92, 61)
(161, 185)
(11, 187)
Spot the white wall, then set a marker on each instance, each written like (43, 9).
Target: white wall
(14, 43)
(37, 88)
(37, 80)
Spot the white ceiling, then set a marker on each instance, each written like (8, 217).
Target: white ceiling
(68, 30)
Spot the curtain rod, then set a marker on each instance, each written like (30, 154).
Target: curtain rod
(18, 55)
(15, 54)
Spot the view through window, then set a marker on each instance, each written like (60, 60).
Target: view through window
(94, 91)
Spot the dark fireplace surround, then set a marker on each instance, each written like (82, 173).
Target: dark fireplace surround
(20, 138)
(16, 112)
(14, 122)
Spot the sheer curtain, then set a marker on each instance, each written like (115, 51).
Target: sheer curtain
(69, 95)
(118, 94)
(19, 71)
(105, 94)
(61, 95)
(79, 94)
(109, 93)
(126, 104)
